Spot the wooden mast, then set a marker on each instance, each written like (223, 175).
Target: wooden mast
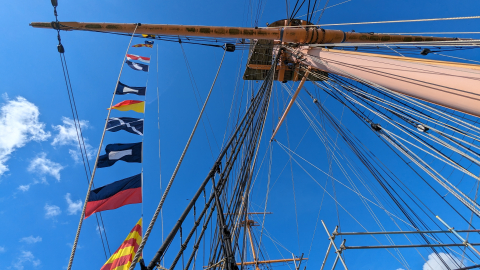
(248, 224)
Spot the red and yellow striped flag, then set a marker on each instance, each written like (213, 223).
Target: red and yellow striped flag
(127, 105)
(143, 45)
(123, 257)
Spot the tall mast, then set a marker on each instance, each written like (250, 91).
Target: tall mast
(248, 223)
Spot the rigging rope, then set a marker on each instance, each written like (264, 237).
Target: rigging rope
(368, 122)
(422, 178)
(74, 247)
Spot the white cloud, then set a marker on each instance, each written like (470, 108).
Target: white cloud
(434, 263)
(100, 230)
(2, 249)
(19, 124)
(52, 211)
(31, 240)
(24, 188)
(67, 135)
(42, 165)
(26, 257)
(74, 207)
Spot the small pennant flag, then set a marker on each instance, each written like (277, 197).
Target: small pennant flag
(123, 257)
(148, 42)
(139, 58)
(130, 105)
(128, 152)
(137, 66)
(148, 36)
(123, 89)
(132, 125)
(143, 45)
(115, 195)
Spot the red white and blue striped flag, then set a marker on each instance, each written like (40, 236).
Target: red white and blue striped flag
(138, 57)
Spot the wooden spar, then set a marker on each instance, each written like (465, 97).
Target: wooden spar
(273, 261)
(290, 103)
(255, 259)
(452, 85)
(306, 35)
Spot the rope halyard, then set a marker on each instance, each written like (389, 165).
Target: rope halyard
(169, 185)
(74, 247)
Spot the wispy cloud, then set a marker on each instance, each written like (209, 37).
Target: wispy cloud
(31, 240)
(43, 166)
(434, 263)
(2, 249)
(24, 188)
(100, 230)
(19, 124)
(74, 207)
(67, 135)
(25, 257)
(52, 211)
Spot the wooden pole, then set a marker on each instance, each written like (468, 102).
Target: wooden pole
(305, 35)
(272, 261)
(255, 259)
(291, 103)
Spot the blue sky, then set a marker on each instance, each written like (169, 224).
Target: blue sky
(43, 184)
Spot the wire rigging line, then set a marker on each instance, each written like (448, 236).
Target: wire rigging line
(368, 166)
(397, 21)
(77, 124)
(177, 167)
(456, 57)
(159, 146)
(409, 165)
(195, 93)
(369, 121)
(324, 9)
(289, 152)
(81, 144)
(292, 180)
